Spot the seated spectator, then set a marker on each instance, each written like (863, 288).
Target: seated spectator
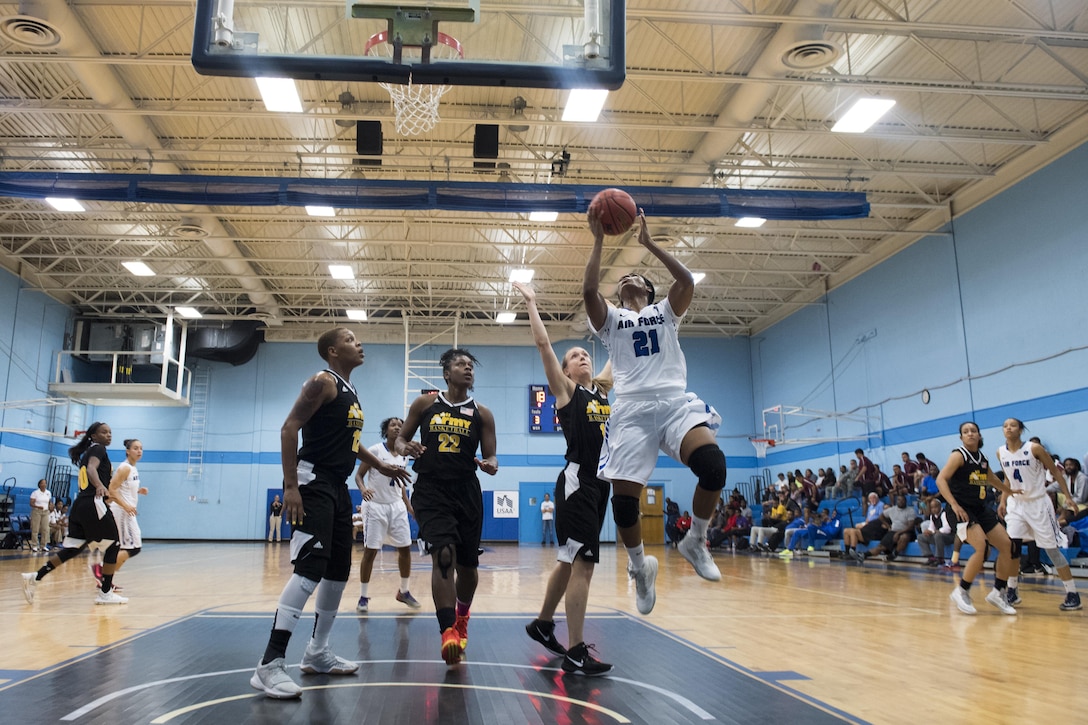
(874, 528)
(827, 527)
(684, 523)
(844, 486)
(773, 517)
(793, 512)
(912, 471)
(829, 481)
(1078, 480)
(736, 528)
(901, 520)
(901, 484)
(937, 533)
(883, 483)
(797, 526)
(357, 523)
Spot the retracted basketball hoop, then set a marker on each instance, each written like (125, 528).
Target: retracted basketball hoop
(761, 445)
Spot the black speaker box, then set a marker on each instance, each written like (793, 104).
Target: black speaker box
(485, 145)
(368, 142)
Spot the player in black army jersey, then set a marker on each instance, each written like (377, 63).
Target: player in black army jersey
(318, 506)
(90, 518)
(447, 498)
(581, 499)
(964, 483)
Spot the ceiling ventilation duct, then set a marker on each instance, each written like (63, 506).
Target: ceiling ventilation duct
(234, 342)
(30, 32)
(811, 55)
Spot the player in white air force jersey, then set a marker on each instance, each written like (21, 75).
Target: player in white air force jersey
(653, 410)
(1030, 514)
(385, 516)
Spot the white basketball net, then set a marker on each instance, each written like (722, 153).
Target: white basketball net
(761, 448)
(415, 107)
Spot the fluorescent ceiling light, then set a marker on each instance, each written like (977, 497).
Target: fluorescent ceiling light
(358, 315)
(698, 276)
(864, 113)
(584, 104)
(505, 318)
(341, 271)
(524, 276)
(279, 95)
(62, 204)
(750, 221)
(320, 210)
(189, 313)
(543, 216)
(139, 269)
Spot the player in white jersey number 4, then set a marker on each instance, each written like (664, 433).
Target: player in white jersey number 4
(1030, 514)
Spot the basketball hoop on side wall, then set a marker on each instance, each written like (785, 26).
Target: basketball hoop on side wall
(761, 445)
(415, 106)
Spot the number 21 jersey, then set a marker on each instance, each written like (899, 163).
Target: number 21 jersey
(645, 350)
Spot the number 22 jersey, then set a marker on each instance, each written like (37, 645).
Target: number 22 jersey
(645, 350)
(451, 434)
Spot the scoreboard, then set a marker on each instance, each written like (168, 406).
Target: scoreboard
(542, 417)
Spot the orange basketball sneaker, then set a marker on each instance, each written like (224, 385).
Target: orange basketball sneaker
(451, 646)
(461, 625)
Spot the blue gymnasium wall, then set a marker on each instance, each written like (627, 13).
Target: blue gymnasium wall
(1015, 267)
(32, 328)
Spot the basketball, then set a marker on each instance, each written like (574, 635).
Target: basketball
(616, 210)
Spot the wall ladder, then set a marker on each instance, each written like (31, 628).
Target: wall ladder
(198, 417)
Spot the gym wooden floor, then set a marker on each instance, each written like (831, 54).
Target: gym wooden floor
(803, 640)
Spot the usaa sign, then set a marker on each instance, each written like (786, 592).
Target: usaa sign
(506, 505)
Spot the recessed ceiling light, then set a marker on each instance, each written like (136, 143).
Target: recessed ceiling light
(543, 216)
(139, 269)
(341, 271)
(358, 315)
(190, 313)
(863, 114)
(279, 95)
(320, 210)
(505, 318)
(750, 221)
(64, 204)
(584, 104)
(524, 276)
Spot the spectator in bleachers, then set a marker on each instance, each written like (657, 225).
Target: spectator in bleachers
(901, 520)
(797, 526)
(829, 482)
(1078, 481)
(873, 528)
(684, 523)
(774, 515)
(912, 470)
(901, 483)
(844, 485)
(867, 477)
(937, 533)
(883, 483)
(827, 527)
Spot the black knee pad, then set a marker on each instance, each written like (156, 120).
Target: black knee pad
(625, 511)
(1017, 546)
(444, 556)
(708, 463)
(109, 556)
(133, 552)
